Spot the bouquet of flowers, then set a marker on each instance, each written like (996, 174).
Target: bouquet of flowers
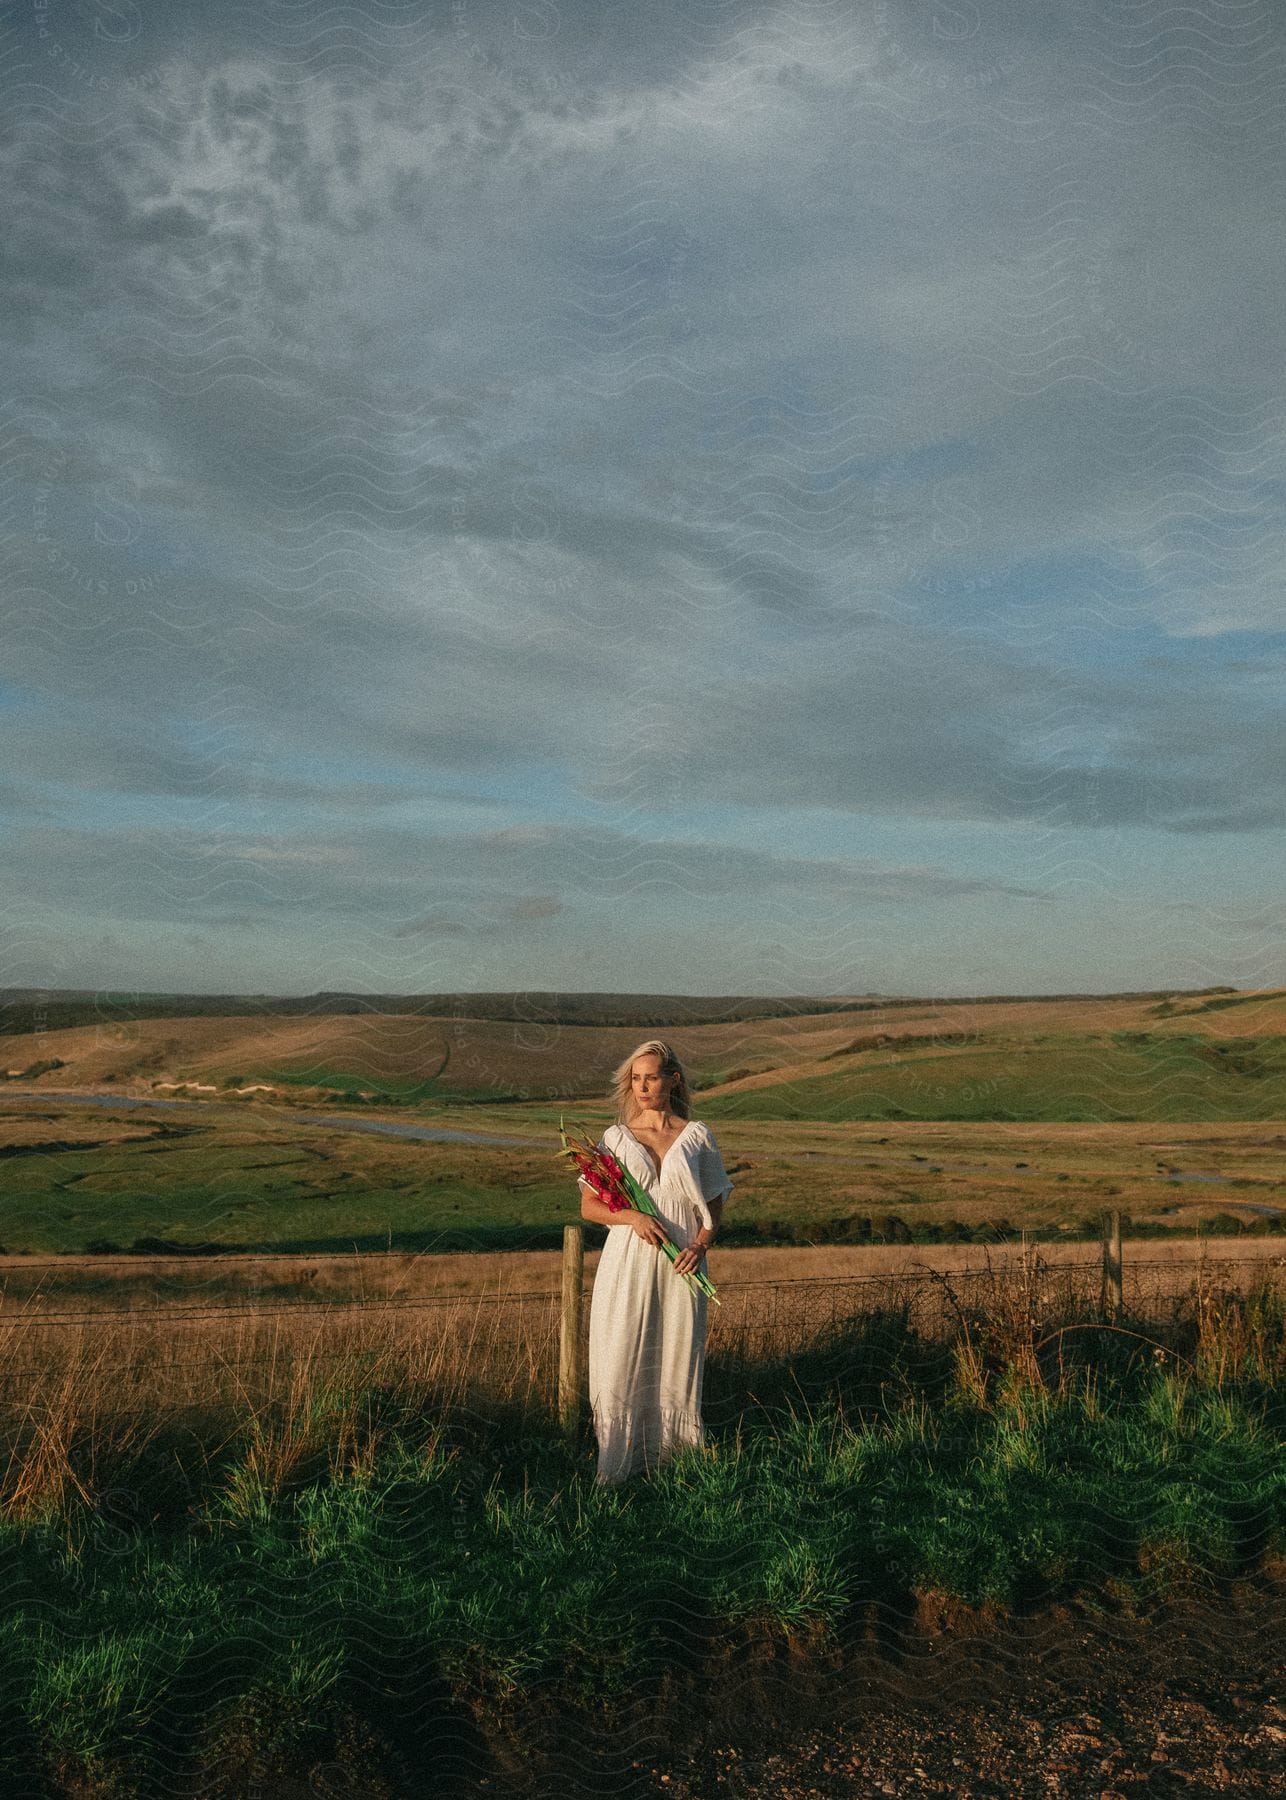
(618, 1190)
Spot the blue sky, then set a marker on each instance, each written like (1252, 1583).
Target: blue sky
(689, 497)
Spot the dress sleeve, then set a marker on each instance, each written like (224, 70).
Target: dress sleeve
(712, 1177)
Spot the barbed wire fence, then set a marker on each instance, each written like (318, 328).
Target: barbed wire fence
(794, 1287)
(543, 1330)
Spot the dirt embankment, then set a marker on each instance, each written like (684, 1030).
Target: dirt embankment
(1192, 1701)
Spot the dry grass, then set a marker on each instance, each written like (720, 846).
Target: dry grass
(288, 1392)
(90, 1392)
(275, 1285)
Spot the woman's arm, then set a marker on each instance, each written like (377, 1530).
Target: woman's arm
(598, 1212)
(693, 1257)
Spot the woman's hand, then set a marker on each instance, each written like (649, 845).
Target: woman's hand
(688, 1261)
(645, 1226)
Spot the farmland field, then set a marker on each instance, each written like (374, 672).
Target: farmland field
(920, 1121)
(285, 1505)
(262, 1178)
(1215, 1057)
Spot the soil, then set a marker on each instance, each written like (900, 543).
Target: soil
(1069, 1704)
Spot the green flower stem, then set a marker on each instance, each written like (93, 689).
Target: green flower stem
(698, 1281)
(642, 1202)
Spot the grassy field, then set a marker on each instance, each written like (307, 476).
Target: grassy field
(314, 1554)
(292, 1515)
(851, 1123)
(262, 1178)
(1091, 1078)
(1214, 1058)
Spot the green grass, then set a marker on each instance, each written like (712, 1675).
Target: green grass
(474, 1562)
(1094, 1078)
(310, 1192)
(1224, 1000)
(357, 1089)
(496, 1583)
(388, 1090)
(264, 1178)
(1128, 1076)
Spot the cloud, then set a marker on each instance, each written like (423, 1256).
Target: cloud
(432, 928)
(535, 906)
(472, 882)
(639, 427)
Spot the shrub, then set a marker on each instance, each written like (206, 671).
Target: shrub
(158, 1246)
(34, 1070)
(1224, 1224)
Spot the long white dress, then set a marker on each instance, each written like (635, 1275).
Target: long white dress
(647, 1329)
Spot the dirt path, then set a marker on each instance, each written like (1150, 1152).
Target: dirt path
(1193, 1702)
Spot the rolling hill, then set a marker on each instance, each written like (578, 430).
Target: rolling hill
(1216, 1055)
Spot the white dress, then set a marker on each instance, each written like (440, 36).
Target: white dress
(647, 1328)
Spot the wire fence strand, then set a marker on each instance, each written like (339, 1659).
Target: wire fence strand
(163, 1309)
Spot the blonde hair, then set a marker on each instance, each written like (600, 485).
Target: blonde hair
(680, 1097)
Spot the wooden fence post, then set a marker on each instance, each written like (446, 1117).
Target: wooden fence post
(1112, 1299)
(569, 1337)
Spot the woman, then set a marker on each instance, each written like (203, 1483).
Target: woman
(647, 1327)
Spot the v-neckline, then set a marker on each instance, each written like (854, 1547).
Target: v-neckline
(643, 1147)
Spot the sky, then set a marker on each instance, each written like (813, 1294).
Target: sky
(694, 497)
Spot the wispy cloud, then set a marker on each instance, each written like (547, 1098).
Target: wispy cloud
(652, 437)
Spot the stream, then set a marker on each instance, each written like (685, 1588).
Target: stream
(428, 1134)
